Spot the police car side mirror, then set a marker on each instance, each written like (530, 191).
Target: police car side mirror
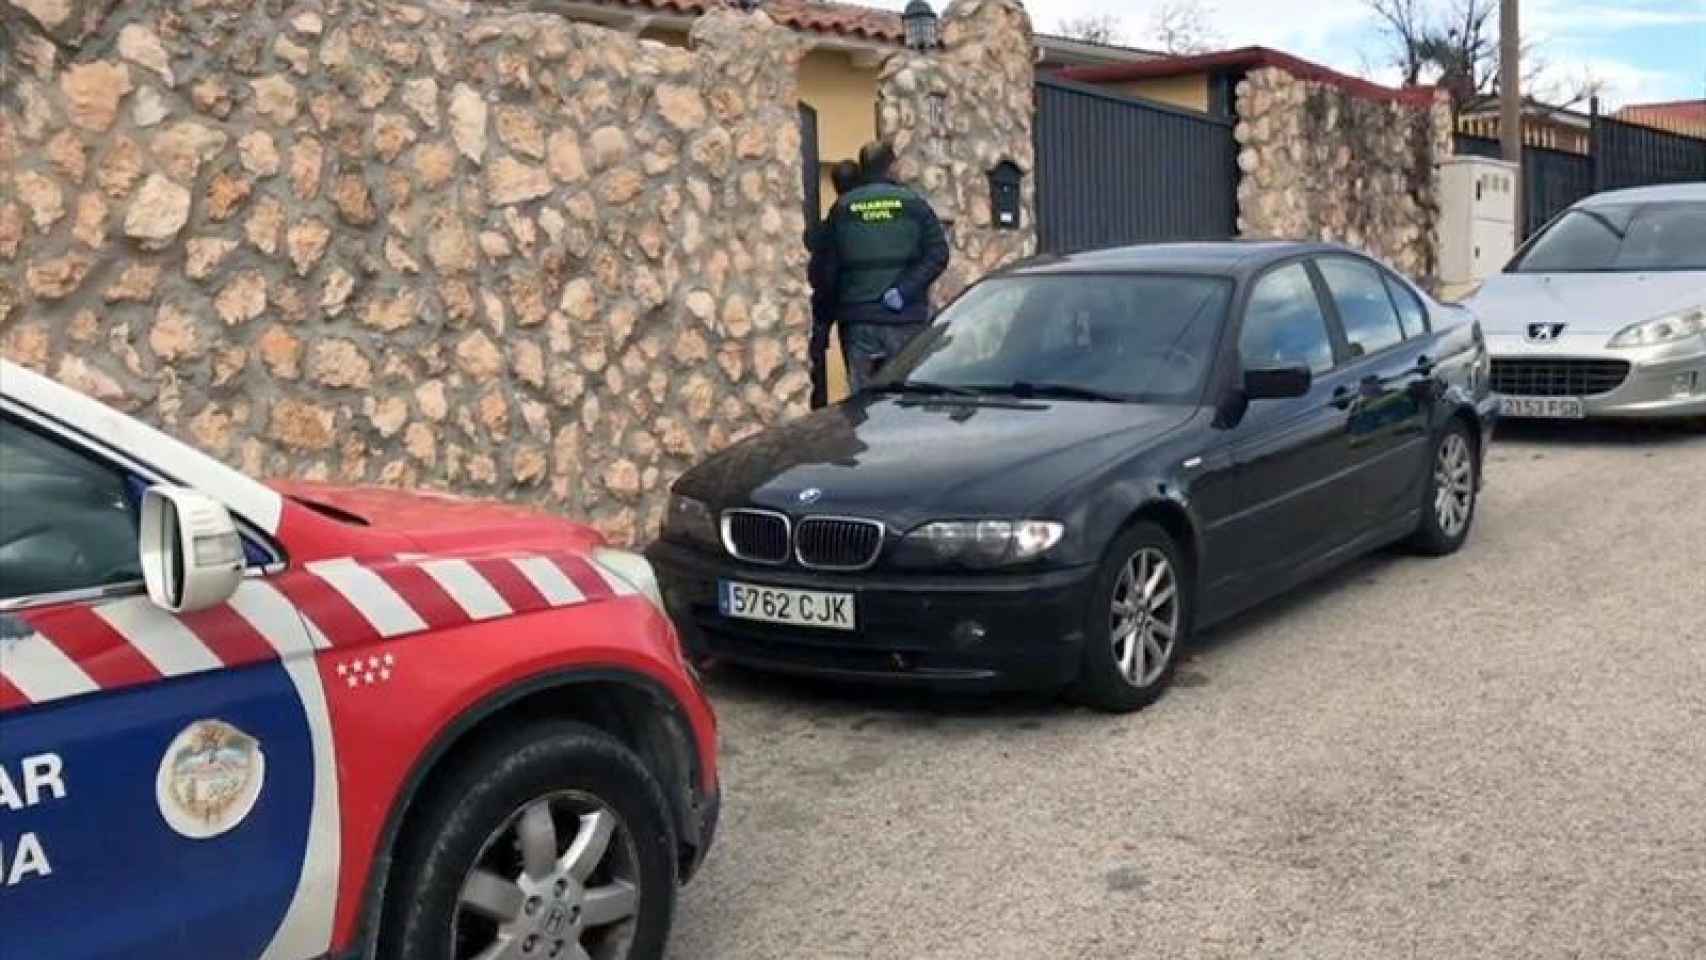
(192, 556)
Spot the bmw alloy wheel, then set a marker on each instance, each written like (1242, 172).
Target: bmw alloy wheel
(558, 880)
(1454, 485)
(1144, 619)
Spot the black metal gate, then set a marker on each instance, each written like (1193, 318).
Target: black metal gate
(1114, 169)
(1629, 155)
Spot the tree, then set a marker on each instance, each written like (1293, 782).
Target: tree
(1183, 27)
(1102, 28)
(1407, 28)
(1456, 45)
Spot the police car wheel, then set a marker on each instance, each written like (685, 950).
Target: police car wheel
(553, 842)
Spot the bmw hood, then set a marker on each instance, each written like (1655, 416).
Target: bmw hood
(906, 460)
(1594, 303)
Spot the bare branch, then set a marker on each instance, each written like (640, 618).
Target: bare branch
(1184, 27)
(1403, 24)
(1103, 28)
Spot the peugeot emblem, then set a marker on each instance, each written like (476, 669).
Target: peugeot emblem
(811, 495)
(1547, 332)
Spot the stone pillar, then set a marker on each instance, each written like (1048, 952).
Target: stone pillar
(952, 115)
(1320, 163)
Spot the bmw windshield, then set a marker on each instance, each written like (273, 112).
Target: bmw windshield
(1108, 337)
(1620, 238)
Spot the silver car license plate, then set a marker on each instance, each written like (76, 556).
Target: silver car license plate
(795, 608)
(1544, 408)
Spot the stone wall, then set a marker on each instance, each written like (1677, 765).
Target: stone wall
(981, 82)
(1320, 163)
(440, 244)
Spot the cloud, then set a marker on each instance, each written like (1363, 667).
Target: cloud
(1556, 16)
(1624, 82)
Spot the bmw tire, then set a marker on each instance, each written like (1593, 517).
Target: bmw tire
(1138, 619)
(1453, 486)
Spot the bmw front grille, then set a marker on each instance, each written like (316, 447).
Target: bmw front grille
(757, 536)
(837, 543)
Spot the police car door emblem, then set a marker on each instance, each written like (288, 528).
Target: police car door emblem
(811, 495)
(209, 779)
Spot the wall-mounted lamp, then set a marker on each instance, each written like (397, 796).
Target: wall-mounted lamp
(921, 25)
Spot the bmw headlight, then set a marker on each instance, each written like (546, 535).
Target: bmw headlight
(691, 521)
(978, 543)
(1666, 329)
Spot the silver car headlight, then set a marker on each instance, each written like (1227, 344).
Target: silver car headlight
(1666, 329)
(978, 543)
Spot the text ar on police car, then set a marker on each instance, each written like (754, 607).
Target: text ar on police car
(34, 779)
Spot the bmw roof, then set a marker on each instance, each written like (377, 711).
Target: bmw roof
(1657, 194)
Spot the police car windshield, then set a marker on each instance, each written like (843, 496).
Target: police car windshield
(1627, 237)
(1124, 337)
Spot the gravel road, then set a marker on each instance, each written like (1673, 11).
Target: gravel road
(1498, 754)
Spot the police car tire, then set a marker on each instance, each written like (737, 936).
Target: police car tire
(442, 840)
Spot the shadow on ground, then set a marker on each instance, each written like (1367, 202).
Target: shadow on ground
(1608, 433)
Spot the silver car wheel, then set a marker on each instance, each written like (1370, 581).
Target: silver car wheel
(1454, 485)
(1144, 621)
(538, 891)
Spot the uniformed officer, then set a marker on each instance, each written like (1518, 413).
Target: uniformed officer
(820, 272)
(886, 248)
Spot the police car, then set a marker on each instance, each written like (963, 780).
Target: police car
(296, 721)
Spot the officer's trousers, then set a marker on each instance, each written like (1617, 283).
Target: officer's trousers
(867, 346)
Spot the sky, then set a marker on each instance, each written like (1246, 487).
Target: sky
(1641, 50)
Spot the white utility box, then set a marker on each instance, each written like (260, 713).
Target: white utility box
(1477, 228)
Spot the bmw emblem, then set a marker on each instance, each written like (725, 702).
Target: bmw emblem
(811, 495)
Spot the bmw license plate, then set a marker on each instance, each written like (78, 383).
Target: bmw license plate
(796, 608)
(1549, 408)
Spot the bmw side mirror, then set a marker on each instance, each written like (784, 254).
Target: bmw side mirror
(192, 555)
(1277, 383)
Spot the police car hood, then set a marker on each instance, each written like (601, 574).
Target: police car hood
(435, 521)
(1585, 302)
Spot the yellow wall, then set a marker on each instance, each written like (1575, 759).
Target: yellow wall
(1190, 91)
(845, 98)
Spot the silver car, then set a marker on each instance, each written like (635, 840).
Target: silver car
(1603, 313)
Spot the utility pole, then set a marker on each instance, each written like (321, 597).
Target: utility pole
(1510, 100)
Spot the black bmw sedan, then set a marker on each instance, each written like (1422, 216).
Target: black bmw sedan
(1083, 460)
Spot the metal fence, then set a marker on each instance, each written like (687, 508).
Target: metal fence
(1630, 155)
(1114, 169)
(1620, 155)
